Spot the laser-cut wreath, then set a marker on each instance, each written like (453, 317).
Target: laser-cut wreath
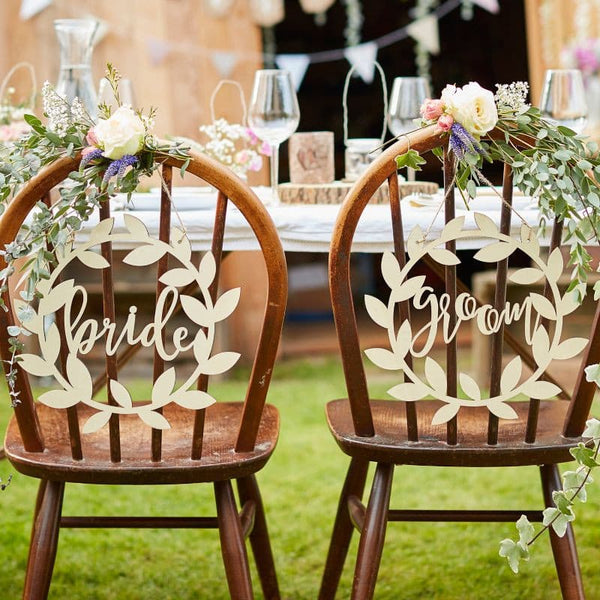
(76, 384)
(404, 288)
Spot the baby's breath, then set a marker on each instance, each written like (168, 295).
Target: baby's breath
(512, 96)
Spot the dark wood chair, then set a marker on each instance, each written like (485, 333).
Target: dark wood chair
(540, 431)
(182, 436)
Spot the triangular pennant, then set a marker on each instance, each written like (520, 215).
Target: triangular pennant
(30, 8)
(492, 6)
(157, 50)
(362, 58)
(425, 32)
(296, 64)
(224, 62)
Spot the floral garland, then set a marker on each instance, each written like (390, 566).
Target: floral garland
(558, 168)
(117, 152)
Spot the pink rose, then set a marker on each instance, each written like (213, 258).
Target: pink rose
(432, 109)
(91, 138)
(445, 122)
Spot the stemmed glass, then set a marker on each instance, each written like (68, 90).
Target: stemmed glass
(563, 98)
(273, 114)
(408, 94)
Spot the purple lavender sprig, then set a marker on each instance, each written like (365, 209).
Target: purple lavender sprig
(90, 156)
(462, 142)
(118, 167)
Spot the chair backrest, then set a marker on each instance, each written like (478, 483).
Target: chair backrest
(182, 285)
(542, 311)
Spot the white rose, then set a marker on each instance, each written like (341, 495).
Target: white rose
(123, 133)
(472, 106)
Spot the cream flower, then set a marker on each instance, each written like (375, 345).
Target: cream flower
(123, 133)
(472, 106)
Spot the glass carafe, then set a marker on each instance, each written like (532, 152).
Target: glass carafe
(76, 38)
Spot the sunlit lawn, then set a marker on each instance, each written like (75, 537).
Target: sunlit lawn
(300, 487)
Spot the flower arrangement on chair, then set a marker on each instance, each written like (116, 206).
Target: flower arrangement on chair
(559, 169)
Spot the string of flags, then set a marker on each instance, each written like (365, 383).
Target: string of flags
(362, 57)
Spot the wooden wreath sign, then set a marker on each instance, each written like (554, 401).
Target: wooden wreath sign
(532, 310)
(82, 334)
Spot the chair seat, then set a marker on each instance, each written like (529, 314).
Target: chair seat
(219, 459)
(390, 443)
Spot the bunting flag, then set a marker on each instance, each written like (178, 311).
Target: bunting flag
(362, 58)
(30, 8)
(224, 62)
(425, 31)
(158, 50)
(296, 64)
(492, 6)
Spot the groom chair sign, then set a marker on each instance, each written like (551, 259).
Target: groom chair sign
(180, 432)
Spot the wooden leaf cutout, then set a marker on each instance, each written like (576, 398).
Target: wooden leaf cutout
(569, 303)
(96, 422)
(177, 277)
(526, 276)
(35, 365)
(136, 227)
(403, 339)
(543, 306)
(540, 346)
(56, 297)
(444, 257)
(390, 269)
(163, 386)
(529, 240)
(570, 348)
(502, 410)
(408, 392)
(384, 358)
(555, 265)
(219, 363)
(494, 252)
(101, 231)
(194, 400)
(511, 375)
(201, 347)
(145, 255)
(196, 311)
(540, 389)
(79, 376)
(435, 375)
(207, 269)
(413, 243)
(154, 419)
(120, 394)
(407, 289)
(50, 344)
(469, 386)
(226, 304)
(444, 414)
(378, 311)
(181, 244)
(93, 260)
(485, 224)
(452, 228)
(59, 399)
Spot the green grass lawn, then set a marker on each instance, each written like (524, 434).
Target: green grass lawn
(300, 486)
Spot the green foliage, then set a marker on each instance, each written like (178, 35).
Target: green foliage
(410, 159)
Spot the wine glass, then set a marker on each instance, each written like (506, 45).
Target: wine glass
(408, 94)
(563, 98)
(273, 114)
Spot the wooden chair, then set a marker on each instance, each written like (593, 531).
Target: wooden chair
(217, 442)
(388, 433)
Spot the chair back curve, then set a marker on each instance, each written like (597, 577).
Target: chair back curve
(186, 288)
(418, 309)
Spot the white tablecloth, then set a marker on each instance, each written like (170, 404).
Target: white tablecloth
(308, 228)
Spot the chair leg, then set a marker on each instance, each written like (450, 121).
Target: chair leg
(233, 546)
(343, 528)
(44, 540)
(564, 548)
(259, 538)
(372, 536)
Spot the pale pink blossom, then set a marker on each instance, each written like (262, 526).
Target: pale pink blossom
(87, 150)
(265, 149)
(255, 163)
(91, 138)
(445, 122)
(432, 109)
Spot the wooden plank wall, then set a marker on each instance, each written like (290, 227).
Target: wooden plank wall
(180, 84)
(553, 25)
